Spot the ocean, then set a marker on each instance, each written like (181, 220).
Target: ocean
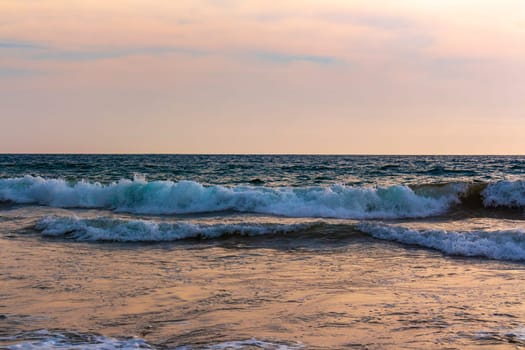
(262, 252)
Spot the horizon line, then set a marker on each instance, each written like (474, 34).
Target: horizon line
(264, 154)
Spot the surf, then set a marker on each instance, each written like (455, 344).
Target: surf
(493, 244)
(139, 196)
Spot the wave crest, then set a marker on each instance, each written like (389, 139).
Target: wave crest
(500, 245)
(119, 230)
(505, 194)
(167, 197)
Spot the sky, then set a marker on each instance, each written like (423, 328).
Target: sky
(247, 76)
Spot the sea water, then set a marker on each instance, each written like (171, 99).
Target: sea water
(261, 252)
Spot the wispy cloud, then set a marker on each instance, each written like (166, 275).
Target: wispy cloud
(38, 52)
(376, 21)
(364, 19)
(9, 72)
(93, 54)
(109, 53)
(19, 44)
(283, 58)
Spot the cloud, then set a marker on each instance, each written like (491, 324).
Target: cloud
(38, 52)
(381, 22)
(356, 18)
(284, 58)
(109, 53)
(93, 54)
(9, 72)
(18, 44)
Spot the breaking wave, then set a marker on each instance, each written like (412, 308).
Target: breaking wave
(119, 230)
(505, 194)
(500, 245)
(184, 197)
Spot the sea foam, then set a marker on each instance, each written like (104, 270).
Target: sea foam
(505, 194)
(120, 230)
(167, 197)
(48, 340)
(500, 245)
(44, 339)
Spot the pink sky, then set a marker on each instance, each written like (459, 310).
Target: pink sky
(226, 76)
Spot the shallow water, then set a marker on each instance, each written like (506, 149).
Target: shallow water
(116, 276)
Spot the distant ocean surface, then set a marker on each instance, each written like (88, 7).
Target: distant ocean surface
(261, 252)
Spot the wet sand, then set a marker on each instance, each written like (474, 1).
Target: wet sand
(360, 293)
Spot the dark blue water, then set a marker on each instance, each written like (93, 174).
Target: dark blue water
(268, 170)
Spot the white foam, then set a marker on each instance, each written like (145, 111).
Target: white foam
(44, 339)
(253, 343)
(119, 230)
(167, 197)
(501, 245)
(515, 336)
(505, 194)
